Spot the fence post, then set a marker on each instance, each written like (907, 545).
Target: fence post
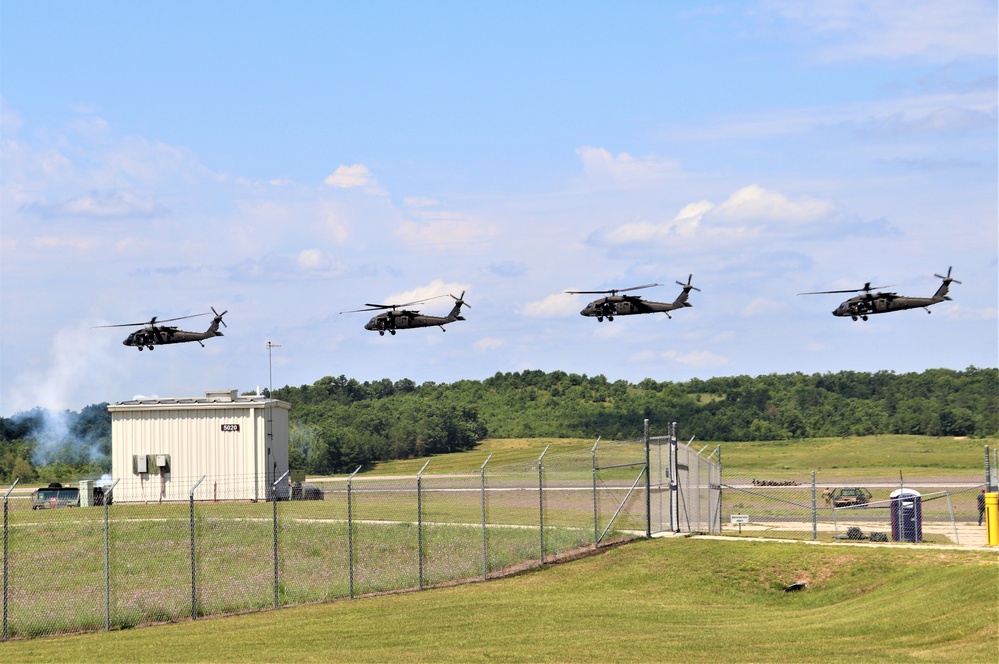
(720, 491)
(674, 488)
(194, 560)
(350, 532)
(988, 472)
(596, 520)
(274, 499)
(541, 501)
(107, 560)
(6, 562)
(815, 513)
(953, 521)
(419, 519)
(485, 554)
(648, 483)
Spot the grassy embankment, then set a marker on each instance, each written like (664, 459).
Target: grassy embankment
(853, 457)
(663, 600)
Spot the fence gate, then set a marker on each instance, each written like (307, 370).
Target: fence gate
(686, 485)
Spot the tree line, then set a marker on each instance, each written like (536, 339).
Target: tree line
(339, 423)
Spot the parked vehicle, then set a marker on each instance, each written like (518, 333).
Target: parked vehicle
(850, 496)
(55, 495)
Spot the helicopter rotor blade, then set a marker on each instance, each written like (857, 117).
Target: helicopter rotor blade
(152, 322)
(377, 307)
(219, 316)
(948, 278)
(866, 289)
(687, 285)
(612, 291)
(461, 300)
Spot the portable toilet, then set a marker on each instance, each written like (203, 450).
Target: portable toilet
(906, 516)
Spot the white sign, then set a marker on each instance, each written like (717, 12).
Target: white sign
(739, 519)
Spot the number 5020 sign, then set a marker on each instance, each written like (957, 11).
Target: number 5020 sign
(230, 427)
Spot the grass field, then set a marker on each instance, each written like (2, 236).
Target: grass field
(679, 600)
(868, 456)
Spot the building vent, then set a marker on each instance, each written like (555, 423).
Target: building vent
(222, 395)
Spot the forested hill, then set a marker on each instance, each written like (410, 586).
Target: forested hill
(340, 423)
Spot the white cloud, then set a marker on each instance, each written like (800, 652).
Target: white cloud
(924, 29)
(102, 205)
(697, 358)
(444, 232)
(761, 306)
(489, 343)
(435, 289)
(750, 212)
(556, 305)
(346, 177)
(623, 168)
(754, 203)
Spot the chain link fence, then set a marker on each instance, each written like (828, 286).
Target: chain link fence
(936, 508)
(198, 547)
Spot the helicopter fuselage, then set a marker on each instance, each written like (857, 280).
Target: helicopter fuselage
(619, 305)
(882, 303)
(390, 321)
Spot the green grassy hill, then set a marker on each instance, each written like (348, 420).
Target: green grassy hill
(679, 600)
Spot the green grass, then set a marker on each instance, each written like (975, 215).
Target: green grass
(682, 600)
(875, 456)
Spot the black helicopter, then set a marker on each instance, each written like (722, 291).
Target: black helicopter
(868, 304)
(395, 318)
(152, 335)
(626, 305)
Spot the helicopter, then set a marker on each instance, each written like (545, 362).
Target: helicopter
(395, 318)
(862, 306)
(152, 334)
(626, 305)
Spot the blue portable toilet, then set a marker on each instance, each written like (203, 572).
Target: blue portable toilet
(906, 516)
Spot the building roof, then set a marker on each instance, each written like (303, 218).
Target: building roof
(215, 398)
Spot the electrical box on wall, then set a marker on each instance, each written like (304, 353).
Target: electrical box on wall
(150, 463)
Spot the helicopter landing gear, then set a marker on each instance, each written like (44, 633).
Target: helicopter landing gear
(864, 317)
(392, 332)
(600, 319)
(140, 349)
(610, 318)
(381, 333)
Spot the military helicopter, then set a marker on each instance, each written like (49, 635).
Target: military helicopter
(152, 334)
(626, 305)
(395, 318)
(862, 306)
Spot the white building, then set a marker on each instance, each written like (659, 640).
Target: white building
(236, 446)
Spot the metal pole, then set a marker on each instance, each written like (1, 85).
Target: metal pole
(988, 473)
(274, 499)
(953, 521)
(350, 532)
(596, 521)
(719, 523)
(541, 501)
(194, 566)
(674, 503)
(419, 518)
(485, 555)
(815, 513)
(6, 565)
(270, 370)
(107, 562)
(648, 483)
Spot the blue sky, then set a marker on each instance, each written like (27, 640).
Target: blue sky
(288, 161)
